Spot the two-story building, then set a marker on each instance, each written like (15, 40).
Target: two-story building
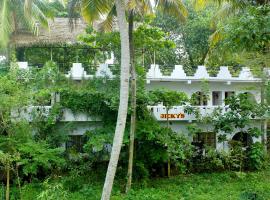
(218, 88)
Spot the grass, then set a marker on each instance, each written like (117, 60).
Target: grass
(207, 186)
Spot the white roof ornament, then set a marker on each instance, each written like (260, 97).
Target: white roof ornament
(201, 72)
(178, 72)
(224, 73)
(104, 70)
(245, 73)
(111, 60)
(154, 72)
(23, 65)
(77, 72)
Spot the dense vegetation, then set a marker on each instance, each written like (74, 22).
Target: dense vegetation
(33, 162)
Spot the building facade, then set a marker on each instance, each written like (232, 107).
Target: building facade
(217, 88)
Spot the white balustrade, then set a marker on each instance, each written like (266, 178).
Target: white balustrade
(32, 113)
(176, 113)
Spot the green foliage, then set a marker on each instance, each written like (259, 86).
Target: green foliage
(201, 186)
(37, 156)
(256, 156)
(169, 98)
(192, 47)
(244, 39)
(241, 110)
(147, 40)
(52, 192)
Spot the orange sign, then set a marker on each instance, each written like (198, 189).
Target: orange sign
(172, 116)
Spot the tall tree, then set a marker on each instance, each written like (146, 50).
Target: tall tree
(93, 10)
(123, 105)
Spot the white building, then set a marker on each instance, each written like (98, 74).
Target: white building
(219, 88)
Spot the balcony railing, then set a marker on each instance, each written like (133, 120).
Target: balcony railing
(178, 113)
(32, 113)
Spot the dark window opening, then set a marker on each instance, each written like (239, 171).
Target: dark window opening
(217, 98)
(76, 143)
(243, 138)
(205, 139)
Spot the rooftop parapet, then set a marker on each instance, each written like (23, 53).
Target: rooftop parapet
(178, 74)
(77, 72)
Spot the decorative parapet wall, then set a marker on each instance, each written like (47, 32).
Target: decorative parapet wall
(178, 74)
(77, 71)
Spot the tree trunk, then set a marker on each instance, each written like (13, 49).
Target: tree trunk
(263, 121)
(8, 178)
(123, 105)
(133, 102)
(169, 161)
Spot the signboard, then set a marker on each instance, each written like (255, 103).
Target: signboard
(172, 116)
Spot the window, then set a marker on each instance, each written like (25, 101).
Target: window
(205, 139)
(199, 99)
(76, 143)
(217, 98)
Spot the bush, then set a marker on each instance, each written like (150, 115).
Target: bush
(256, 156)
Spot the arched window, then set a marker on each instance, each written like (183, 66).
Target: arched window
(243, 138)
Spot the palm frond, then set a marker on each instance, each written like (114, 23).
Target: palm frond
(5, 23)
(107, 24)
(225, 11)
(215, 38)
(93, 10)
(236, 4)
(140, 7)
(174, 8)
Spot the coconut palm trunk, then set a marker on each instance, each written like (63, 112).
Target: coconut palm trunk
(123, 105)
(133, 101)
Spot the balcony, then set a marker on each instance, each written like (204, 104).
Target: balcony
(32, 113)
(177, 113)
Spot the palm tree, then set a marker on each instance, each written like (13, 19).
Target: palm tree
(22, 13)
(123, 105)
(91, 11)
(135, 7)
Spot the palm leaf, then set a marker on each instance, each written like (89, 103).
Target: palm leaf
(215, 38)
(5, 23)
(174, 8)
(107, 24)
(93, 10)
(140, 7)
